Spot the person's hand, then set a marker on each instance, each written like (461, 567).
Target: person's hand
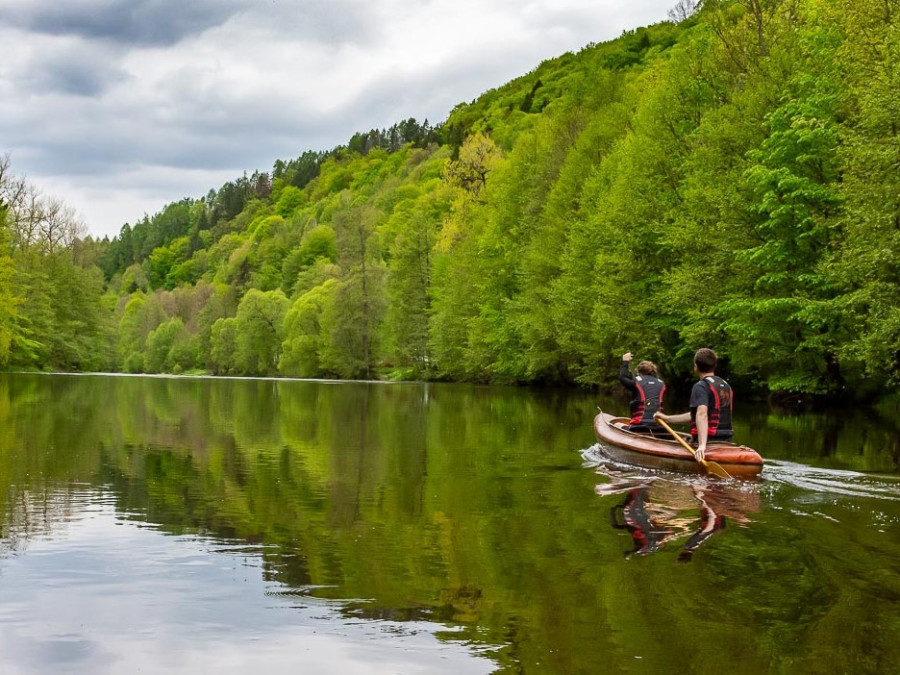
(626, 357)
(660, 416)
(701, 452)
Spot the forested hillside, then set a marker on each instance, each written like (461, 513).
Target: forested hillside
(731, 180)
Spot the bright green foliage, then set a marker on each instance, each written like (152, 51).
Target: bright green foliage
(62, 323)
(163, 261)
(223, 340)
(319, 243)
(292, 199)
(317, 274)
(168, 348)
(352, 318)
(865, 262)
(53, 314)
(303, 332)
(81, 322)
(774, 326)
(451, 309)
(135, 279)
(9, 301)
(412, 229)
(259, 332)
(477, 158)
(216, 301)
(141, 315)
(190, 271)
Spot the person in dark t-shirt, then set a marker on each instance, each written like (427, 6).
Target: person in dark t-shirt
(711, 403)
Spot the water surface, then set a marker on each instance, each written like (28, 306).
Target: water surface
(212, 525)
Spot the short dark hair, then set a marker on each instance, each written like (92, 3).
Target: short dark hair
(705, 359)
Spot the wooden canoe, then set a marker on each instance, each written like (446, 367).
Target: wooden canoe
(667, 453)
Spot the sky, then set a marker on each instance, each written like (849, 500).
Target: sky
(119, 107)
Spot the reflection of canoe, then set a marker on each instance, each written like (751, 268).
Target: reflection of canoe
(667, 453)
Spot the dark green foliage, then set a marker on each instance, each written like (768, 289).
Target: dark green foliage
(394, 138)
(302, 170)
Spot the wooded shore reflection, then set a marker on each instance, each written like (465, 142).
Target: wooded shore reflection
(471, 507)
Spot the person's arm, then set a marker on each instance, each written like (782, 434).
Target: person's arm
(624, 376)
(702, 430)
(698, 401)
(683, 418)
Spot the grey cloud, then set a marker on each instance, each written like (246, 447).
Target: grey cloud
(158, 23)
(332, 22)
(133, 22)
(71, 71)
(73, 79)
(214, 130)
(247, 139)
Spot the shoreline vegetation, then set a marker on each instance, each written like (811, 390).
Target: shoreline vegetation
(889, 403)
(726, 180)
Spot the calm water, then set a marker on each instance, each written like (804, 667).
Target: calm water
(233, 526)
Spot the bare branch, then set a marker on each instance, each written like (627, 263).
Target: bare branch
(35, 220)
(683, 9)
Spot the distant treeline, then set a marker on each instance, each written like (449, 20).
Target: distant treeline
(220, 207)
(729, 180)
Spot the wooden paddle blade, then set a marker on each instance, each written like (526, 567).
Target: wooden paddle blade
(716, 469)
(711, 467)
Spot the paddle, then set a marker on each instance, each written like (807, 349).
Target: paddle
(711, 467)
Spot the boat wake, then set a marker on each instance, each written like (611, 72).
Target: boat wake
(830, 483)
(598, 457)
(816, 484)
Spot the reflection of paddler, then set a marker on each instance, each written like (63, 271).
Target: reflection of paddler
(652, 523)
(717, 506)
(710, 523)
(636, 518)
(732, 503)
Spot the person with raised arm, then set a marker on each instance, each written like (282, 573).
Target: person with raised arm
(647, 392)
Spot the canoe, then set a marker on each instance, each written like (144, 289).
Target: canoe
(667, 453)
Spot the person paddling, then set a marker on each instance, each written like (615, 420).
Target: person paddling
(712, 400)
(647, 392)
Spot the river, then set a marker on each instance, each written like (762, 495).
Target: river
(184, 525)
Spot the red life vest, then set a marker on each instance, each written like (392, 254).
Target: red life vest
(720, 403)
(648, 399)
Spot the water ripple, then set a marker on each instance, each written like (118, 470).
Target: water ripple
(833, 481)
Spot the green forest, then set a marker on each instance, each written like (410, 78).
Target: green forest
(729, 178)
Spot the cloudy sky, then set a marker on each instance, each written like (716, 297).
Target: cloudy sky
(118, 107)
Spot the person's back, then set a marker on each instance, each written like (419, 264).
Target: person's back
(647, 391)
(716, 394)
(712, 400)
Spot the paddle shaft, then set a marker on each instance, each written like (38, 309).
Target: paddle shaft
(711, 467)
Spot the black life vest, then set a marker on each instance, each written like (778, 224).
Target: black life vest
(720, 403)
(648, 398)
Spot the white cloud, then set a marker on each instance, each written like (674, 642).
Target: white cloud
(119, 107)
